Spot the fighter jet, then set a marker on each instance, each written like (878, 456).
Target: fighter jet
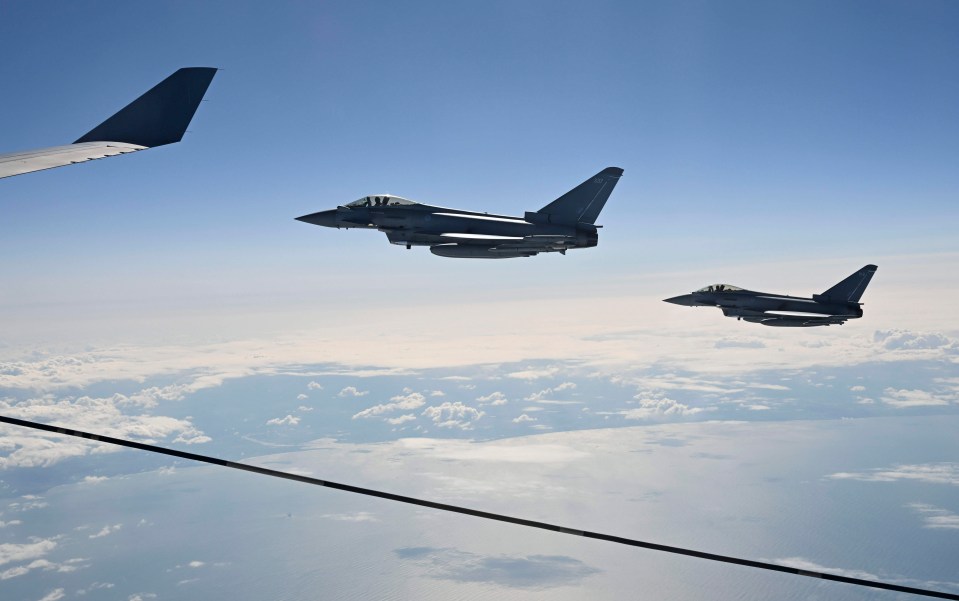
(158, 117)
(834, 306)
(566, 223)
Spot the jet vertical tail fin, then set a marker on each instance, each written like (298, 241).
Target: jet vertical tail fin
(584, 202)
(850, 289)
(161, 115)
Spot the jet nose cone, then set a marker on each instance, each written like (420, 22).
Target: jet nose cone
(685, 300)
(324, 218)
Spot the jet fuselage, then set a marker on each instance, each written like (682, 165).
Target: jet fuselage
(760, 307)
(429, 222)
(566, 223)
(832, 307)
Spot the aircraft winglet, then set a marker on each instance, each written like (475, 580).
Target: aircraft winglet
(161, 115)
(158, 117)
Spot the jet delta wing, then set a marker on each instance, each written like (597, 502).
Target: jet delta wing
(832, 307)
(158, 117)
(566, 223)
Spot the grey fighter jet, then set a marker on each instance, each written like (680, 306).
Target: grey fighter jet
(160, 116)
(567, 222)
(834, 306)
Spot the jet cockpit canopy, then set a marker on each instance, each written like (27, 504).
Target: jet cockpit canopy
(720, 288)
(380, 200)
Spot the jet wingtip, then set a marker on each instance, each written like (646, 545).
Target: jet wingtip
(159, 116)
(197, 70)
(199, 74)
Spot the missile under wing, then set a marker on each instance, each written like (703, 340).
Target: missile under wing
(832, 307)
(568, 222)
(158, 117)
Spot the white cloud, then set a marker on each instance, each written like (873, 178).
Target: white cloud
(352, 391)
(858, 388)
(289, 420)
(95, 479)
(10, 523)
(532, 373)
(29, 502)
(739, 342)
(195, 438)
(936, 517)
(437, 393)
(302, 397)
(106, 530)
(304, 408)
(196, 564)
(766, 386)
(33, 555)
(672, 381)
(413, 400)
(401, 419)
(536, 396)
(11, 552)
(902, 340)
(527, 449)
(453, 415)
(18, 570)
(151, 397)
(935, 473)
(911, 398)
(523, 418)
(757, 407)
(651, 407)
(531, 572)
(54, 595)
(95, 586)
(494, 398)
(101, 415)
(804, 564)
(359, 516)
(314, 386)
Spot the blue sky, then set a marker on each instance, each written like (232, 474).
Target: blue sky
(749, 131)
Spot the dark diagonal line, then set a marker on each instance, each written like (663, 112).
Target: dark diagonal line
(482, 514)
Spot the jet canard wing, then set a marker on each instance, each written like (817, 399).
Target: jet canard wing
(158, 117)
